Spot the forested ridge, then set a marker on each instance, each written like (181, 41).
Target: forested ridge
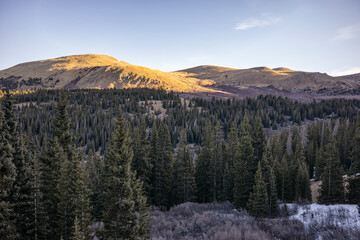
(68, 156)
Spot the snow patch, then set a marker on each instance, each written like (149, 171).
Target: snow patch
(314, 215)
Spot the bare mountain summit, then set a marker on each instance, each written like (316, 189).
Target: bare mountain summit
(101, 71)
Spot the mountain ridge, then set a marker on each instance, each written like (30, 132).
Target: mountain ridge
(102, 71)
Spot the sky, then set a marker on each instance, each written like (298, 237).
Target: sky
(307, 35)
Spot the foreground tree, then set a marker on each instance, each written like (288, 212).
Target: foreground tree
(258, 201)
(244, 168)
(7, 178)
(332, 188)
(184, 187)
(125, 215)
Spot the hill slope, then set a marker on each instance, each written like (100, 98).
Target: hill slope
(101, 71)
(95, 71)
(278, 78)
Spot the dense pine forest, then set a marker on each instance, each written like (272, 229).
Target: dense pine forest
(103, 158)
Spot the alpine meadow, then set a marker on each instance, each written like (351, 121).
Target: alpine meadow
(96, 148)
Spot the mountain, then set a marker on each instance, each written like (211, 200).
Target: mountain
(95, 71)
(101, 71)
(280, 79)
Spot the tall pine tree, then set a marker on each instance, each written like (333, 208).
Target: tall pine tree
(125, 215)
(244, 168)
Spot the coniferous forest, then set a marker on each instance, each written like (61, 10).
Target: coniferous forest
(82, 163)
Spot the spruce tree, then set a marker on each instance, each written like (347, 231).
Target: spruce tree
(184, 187)
(94, 169)
(355, 152)
(258, 201)
(303, 191)
(25, 202)
(217, 163)
(125, 214)
(82, 202)
(332, 188)
(141, 162)
(258, 140)
(232, 153)
(244, 168)
(165, 168)
(7, 177)
(203, 166)
(52, 155)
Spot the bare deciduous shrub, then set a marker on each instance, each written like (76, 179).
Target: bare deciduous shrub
(217, 221)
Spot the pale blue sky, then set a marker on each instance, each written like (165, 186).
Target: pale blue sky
(317, 35)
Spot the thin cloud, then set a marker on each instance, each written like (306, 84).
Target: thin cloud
(348, 32)
(257, 22)
(343, 72)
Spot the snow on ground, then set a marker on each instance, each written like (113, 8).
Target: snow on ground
(340, 215)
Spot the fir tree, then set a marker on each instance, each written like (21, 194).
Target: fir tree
(7, 177)
(232, 154)
(244, 168)
(51, 157)
(184, 187)
(125, 214)
(258, 201)
(165, 168)
(203, 166)
(141, 162)
(303, 191)
(94, 169)
(331, 189)
(258, 140)
(25, 204)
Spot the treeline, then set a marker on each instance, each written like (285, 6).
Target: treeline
(53, 187)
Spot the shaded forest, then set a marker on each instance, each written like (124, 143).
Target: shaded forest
(68, 156)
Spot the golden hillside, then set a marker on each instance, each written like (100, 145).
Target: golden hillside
(101, 71)
(278, 78)
(95, 71)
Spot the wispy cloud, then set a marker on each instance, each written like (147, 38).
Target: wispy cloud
(257, 22)
(348, 32)
(344, 71)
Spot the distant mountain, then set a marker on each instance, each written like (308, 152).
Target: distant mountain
(95, 71)
(101, 71)
(282, 79)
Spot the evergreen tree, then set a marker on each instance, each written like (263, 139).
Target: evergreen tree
(258, 140)
(77, 235)
(353, 190)
(125, 215)
(232, 154)
(156, 177)
(217, 163)
(355, 151)
(244, 168)
(52, 155)
(7, 177)
(165, 168)
(94, 169)
(141, 162)
(331, 189)
(268, 176)
(25, 202)
(82, 200)
(184, 187)
(258, 201)
(203, 166)
(303, 191)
